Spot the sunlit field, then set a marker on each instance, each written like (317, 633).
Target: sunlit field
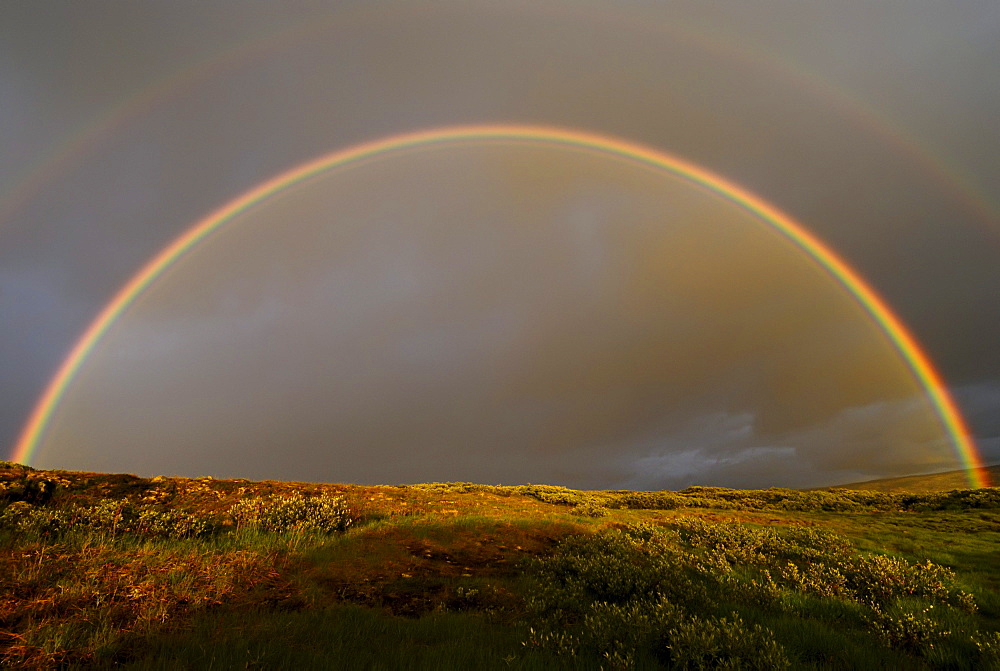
(115, 570)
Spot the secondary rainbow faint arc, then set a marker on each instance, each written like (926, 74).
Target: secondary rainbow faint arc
(902, 340)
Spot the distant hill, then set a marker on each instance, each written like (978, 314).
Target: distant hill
(922, 484)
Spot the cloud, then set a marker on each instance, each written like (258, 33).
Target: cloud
(883, 439)
(979, 404)
(499, 314)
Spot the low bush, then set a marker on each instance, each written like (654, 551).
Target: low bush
(723, 643)
(912, 631)
(589, 509)
(110, 516)
(836, 500)
(722, 498)
(29, 489)
(321, 513)
(988, 646)
(665, 591)
(650, 500)
(457, 488)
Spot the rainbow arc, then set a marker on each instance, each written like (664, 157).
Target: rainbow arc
(900, 337)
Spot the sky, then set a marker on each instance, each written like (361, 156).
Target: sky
(500, 311)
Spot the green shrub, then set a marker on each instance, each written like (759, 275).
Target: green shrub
(613, 632)
(589, 509)
(20, 516)
(880, 578)
(30, 489)
(743, 544)
(457, 488)
(988, 645)
(723, 643)
(622, 595)
(562, 496)
(818, 563)
(649, 500)
(615, 566)
(816, 579)
(172, 524)
(321, 513)
(722, 498)
(110, 516)
(117, 516)
(835, 500)
(911, 631)
(876, 580)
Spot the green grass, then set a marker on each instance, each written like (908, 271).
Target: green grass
(931, 482)
(344, 637)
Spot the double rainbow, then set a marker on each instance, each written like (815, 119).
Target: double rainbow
(615, 148)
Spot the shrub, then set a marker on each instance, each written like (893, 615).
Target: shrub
(712, 643)
(650, 500)
(911, 631)
(721, 498)
(589, 509)
(988, 645)
(562, 496)
(879, 578)
(32, 490)
(455, 487)
(19, 516)
(815, 579)
(819, 563)
(615, 566)
(110, 516)
(321, 513)
(172, 524)
(621, 594)
(613, 632)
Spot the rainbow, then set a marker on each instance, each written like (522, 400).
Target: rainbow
(616, 148)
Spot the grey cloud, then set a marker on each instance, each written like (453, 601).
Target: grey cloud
(859, 443)
(488, 315)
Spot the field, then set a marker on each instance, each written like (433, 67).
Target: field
(101, 570)
(916, 484)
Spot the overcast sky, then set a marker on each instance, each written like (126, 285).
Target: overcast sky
(498, 312)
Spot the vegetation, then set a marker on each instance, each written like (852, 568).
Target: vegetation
(101, 570)
(933, 482)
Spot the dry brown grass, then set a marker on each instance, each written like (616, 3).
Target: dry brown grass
(62, 604)
(92, 597)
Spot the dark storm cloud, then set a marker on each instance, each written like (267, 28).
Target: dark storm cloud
(696, 79)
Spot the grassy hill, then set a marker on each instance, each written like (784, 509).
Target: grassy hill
(101, 570)
(933, 482)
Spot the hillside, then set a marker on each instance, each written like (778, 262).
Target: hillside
(921, 484)
(100, 570)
